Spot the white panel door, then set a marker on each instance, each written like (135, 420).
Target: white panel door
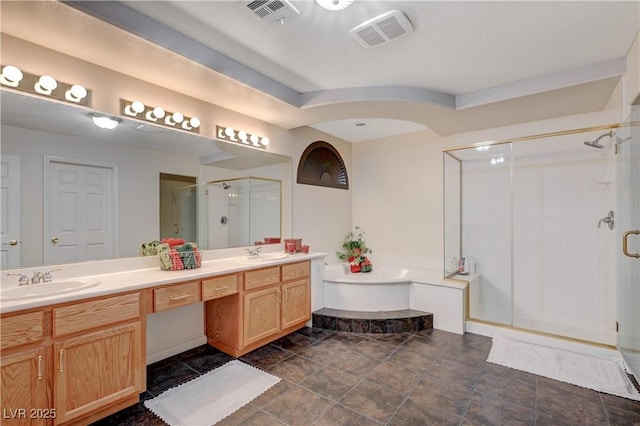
(10, 211)
(79, 212)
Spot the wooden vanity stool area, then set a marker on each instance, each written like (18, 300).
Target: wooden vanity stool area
(270, 302)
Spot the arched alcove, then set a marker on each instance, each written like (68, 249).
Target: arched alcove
(322, 165)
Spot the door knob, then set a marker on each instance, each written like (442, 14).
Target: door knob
(55, 240)
(13, 242)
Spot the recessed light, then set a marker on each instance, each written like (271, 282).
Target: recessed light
(105, 122)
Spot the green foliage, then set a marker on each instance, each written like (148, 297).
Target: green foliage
(354, 246)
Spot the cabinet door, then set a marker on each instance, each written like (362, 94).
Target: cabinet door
(261, 314)
(296, 303)
(97, 369)
(24, 389)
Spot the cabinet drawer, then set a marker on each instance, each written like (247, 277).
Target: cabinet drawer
(176, 296)
(297, 270)
(220, 286)
(21, 329)
(95, 313)
(261, 277)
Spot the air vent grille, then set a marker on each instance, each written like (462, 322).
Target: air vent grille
(382, 29)
(270, 11)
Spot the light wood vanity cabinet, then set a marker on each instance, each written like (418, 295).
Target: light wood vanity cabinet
(174, 296)
(77, 362)
(272, 302)
(88, 363)
(23, 373)
(222, 286)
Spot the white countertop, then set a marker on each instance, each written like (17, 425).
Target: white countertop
(129, 279)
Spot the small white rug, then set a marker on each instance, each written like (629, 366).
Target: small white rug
(600, 374)
(213, 396)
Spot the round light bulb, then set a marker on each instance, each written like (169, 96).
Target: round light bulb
(177, 117)
(76, 93)
(45, 85)
(264, 141)
(158, 112)
(195, 122)
(229, 131)
(137, 107)
(242, 135)
(11, 75)
(47, 82)
(254, 138)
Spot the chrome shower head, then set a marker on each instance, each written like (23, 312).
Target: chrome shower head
(595, 143)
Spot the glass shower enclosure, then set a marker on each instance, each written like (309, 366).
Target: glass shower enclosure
(542, 218)
(243, 211)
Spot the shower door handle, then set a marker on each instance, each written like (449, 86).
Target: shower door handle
(625, 247)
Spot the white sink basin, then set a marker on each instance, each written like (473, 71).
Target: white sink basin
(45, 289)
(264, 257)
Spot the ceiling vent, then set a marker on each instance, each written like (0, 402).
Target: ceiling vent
(382, 29)
(270, 11)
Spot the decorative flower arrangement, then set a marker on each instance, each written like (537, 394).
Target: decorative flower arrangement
(354, 251)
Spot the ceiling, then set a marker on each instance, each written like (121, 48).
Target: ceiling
(468, 65)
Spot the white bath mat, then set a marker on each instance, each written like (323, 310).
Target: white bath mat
(213, 396)
(600, 374)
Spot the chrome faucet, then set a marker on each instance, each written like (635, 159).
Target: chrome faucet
(37, 278)
(23, 280)
(253, 251)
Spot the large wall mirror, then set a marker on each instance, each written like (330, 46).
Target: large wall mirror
(74, 192)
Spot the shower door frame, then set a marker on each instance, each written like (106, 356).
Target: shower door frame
(452, 150)
(628, 266)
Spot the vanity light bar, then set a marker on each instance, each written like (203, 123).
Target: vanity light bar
(241, 137)
(158, 115)
(14, 77)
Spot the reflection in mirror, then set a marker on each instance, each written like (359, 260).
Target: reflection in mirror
(34, 129)
(233, 203)
(452, 212)
(178, 207)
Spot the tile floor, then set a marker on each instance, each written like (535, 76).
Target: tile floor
(429, 377)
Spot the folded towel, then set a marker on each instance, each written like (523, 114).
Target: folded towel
(173, 241)
(188, 255)
(176, 262)
(164, 256)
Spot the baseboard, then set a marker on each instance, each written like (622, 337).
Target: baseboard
(175, 350)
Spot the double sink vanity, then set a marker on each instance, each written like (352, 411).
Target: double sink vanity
(74, 349)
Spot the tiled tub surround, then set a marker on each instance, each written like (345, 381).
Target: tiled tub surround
(405, 320)
(429, 377)
(391, 287)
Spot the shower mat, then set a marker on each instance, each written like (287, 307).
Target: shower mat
(213, 396)
(606, 375)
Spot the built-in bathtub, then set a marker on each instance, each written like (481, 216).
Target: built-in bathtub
(386, 288)
(391, 287)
